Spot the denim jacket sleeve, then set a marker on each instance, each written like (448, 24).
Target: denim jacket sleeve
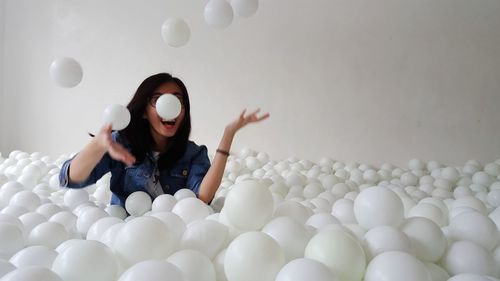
(199, 167)
(103, 166)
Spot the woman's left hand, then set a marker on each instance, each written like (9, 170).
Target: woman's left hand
(246, 119)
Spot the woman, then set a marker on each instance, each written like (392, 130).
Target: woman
(152, 154)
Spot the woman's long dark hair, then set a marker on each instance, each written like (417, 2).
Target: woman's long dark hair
(138, 133)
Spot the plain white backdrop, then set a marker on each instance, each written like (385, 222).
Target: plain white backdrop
(363, 80)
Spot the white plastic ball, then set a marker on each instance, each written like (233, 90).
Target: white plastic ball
(291, 235)
(495, 217)
(252, 163)
(416, 164)
(409, 179)
(303, 269)
(195, 265)
(249, 205)
(6, 218)
(468, 257)
(218, 14)
(433, 165)
(218, 263)
(33, 170)
(429, 211)
(253, 256)
(396, 266)
(12, 239)
(54, 181)
(155, 270)
(66, 72)
(138, 203)
(175, 32)
(312, 190)
(88, 217)
(482, 178)
(7, 190)
(175, 224)
(117, 115)
(5, 267)
(14, 210)
(371, 176)
(376, 206)
(27, 180)
(143, 238)
(470, 277)
(3, 178)
(191, 209)
(475, 227)
(321, 204)
(30, 220)
(32, 273)
(49, 234)
(450, 174)
(279, 188)
(492, 169)
(462, 191)
(494, 198)
(339, 251)
(48, 209)
(86, 260)
(108, 237)
(65, 218)
(184, 193)
(26, 199)
(427, 238)
(343, 209)
(116, 211)
(437, 272)
(263, 157)
(168, 106)
(100, 226)
(294, 210)
(465, 180)
(321, 220)
(385, 239)
(206, 236)
(164, 203)
(329, 181)
(75, 197)
(34, 256)
(471, 169)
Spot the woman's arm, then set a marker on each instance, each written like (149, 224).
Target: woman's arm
(213, 178)
(86, 160)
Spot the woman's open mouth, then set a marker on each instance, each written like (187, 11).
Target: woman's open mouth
(170, 122)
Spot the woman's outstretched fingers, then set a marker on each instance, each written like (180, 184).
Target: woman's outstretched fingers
(118, 152)
(244, 119)
(254, 118)
(262, 117)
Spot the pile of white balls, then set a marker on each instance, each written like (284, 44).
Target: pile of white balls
(290, 220)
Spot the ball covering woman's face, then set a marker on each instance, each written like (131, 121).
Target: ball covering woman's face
(161, 128)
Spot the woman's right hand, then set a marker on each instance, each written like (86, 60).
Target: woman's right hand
(115, 150)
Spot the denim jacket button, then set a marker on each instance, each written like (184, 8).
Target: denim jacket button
(184, 172)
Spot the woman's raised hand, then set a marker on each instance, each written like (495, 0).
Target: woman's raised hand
(115, 150)
(245, 119)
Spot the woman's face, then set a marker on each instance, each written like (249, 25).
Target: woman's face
(162, 129)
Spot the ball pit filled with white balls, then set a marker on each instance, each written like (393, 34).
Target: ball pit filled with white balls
(289, 220)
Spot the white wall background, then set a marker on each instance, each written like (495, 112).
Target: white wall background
(362, 80)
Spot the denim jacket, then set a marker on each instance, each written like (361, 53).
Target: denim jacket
(188, 172)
